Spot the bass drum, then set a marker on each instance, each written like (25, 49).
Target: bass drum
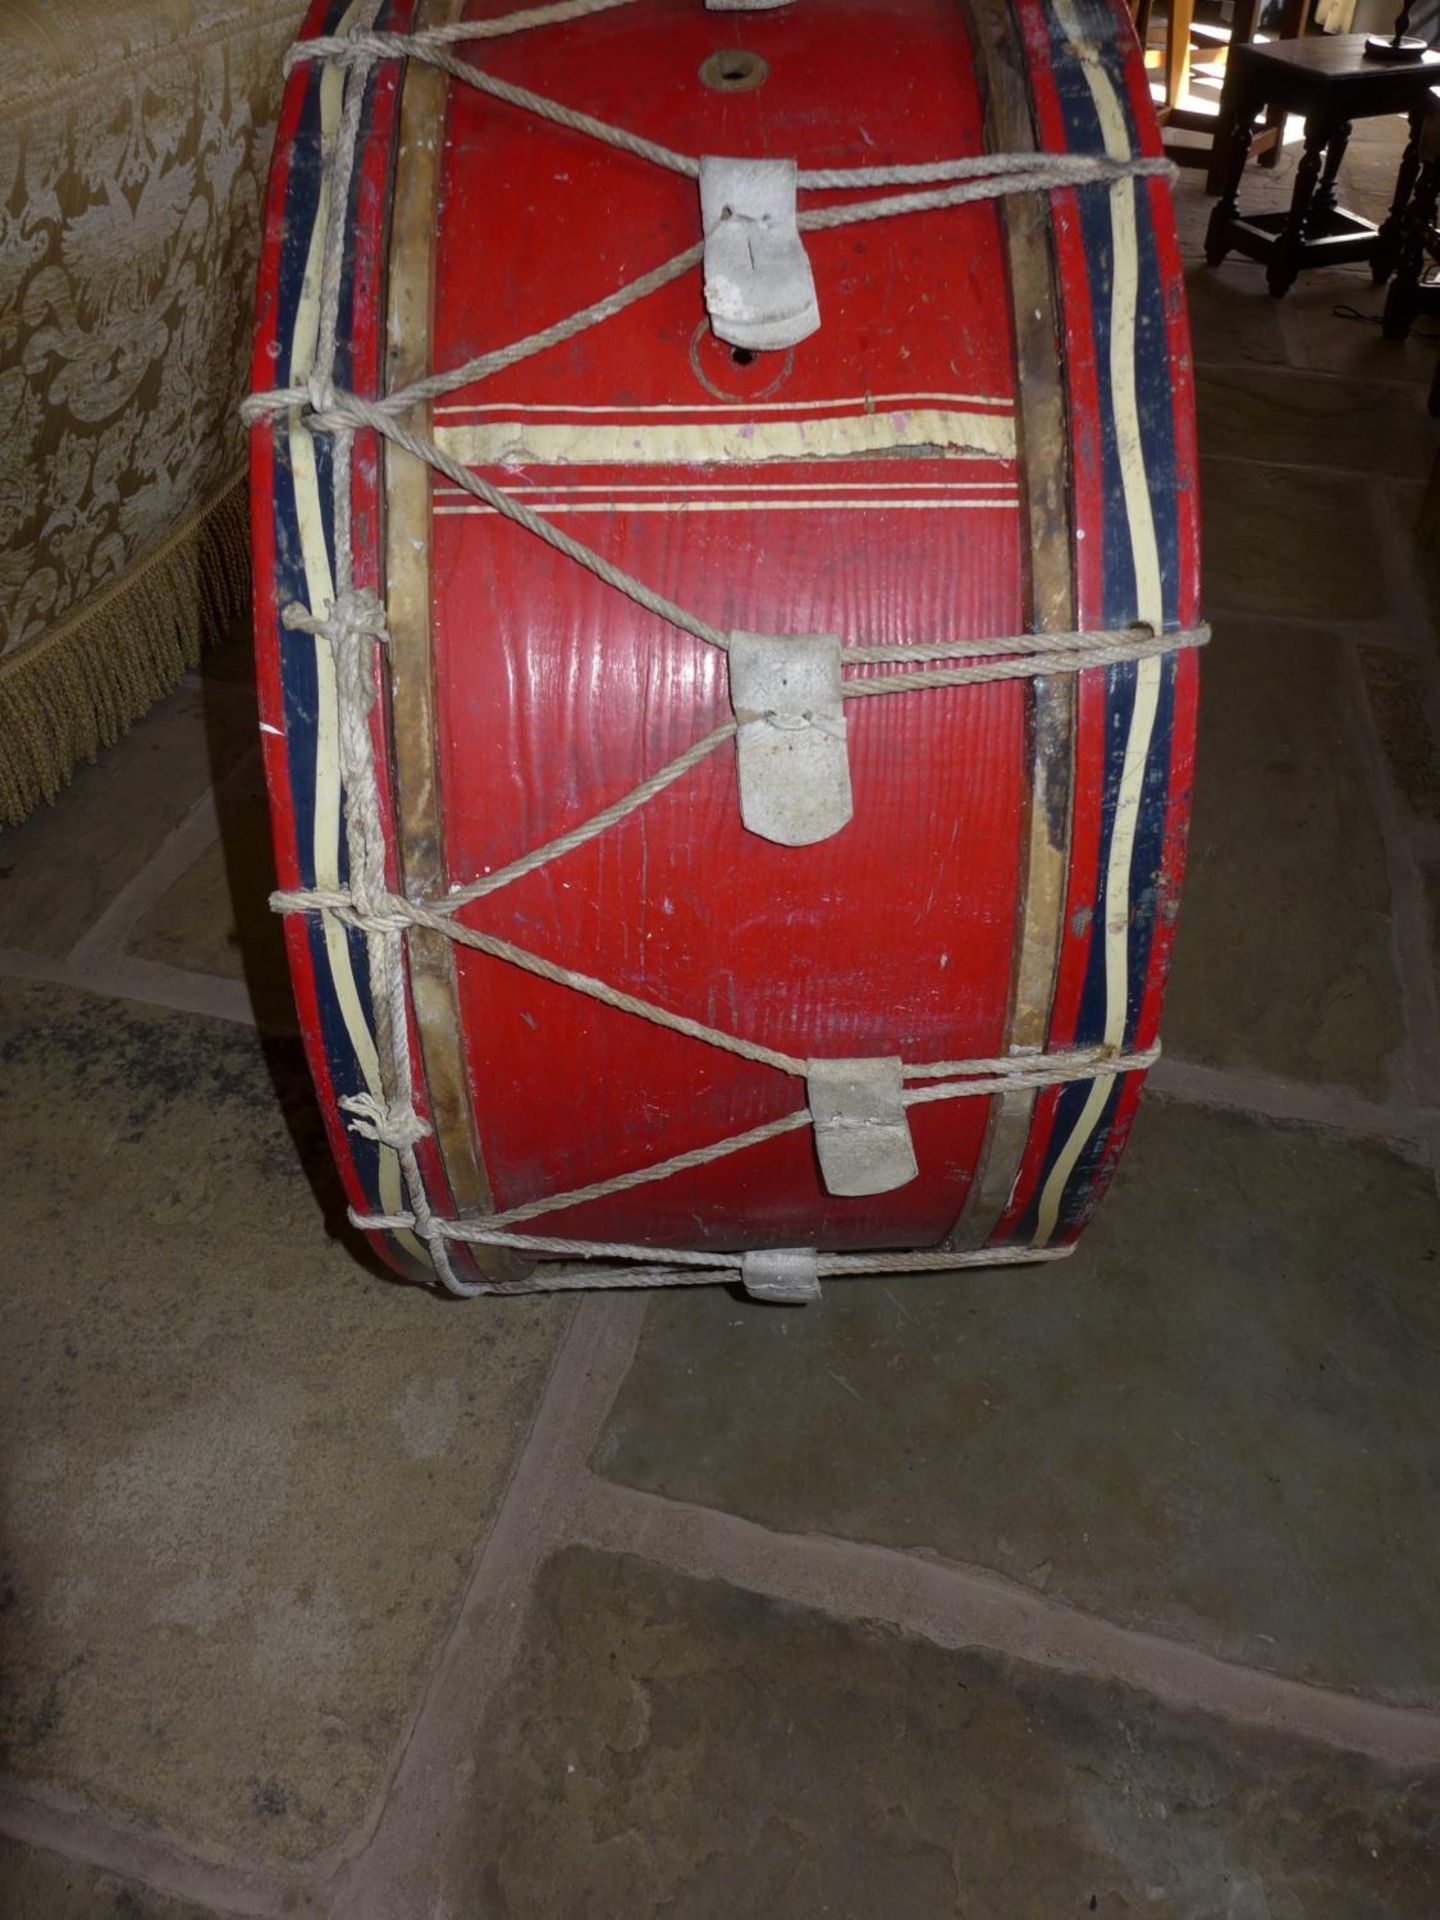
(831, 981)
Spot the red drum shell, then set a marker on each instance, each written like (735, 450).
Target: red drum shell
(991, 432)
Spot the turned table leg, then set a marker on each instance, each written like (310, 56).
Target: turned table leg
(1285, 260)
(1239, 115)
(1326, 198)
(1415, 222)
(1387, 245)
(1242, 32)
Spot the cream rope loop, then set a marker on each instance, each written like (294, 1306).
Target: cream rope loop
(354, 627)
(356, 615)
(685, 1268)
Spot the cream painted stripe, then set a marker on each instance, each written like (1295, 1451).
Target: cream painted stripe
(553, 507)
(493, 443)
(560, 488)
(320, 587)
(1149, 606)
(867, 402)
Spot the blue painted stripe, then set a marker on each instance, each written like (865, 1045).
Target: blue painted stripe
(1156, 408)
(297, 650)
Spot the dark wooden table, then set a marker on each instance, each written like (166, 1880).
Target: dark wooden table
(1329, 81)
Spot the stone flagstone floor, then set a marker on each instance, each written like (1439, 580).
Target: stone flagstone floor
(1109, 1589)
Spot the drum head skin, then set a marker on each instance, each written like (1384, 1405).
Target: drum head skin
(991, 433)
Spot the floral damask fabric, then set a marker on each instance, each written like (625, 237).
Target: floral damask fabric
(134, 139)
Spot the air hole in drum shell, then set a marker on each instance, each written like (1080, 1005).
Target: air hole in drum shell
(736, 373)
(734, 72)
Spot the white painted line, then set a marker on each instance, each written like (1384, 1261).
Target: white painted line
(552, 507)
(752, 485)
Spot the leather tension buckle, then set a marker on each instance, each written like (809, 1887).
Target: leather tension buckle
(790, 751)
(862, 1132)
(759, 290)
(790, 1275)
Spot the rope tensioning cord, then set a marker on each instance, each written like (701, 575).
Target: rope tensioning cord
(355, 626)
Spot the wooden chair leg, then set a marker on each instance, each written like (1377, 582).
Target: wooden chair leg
(1242, 32)
(1177, 50)
(1294, 18)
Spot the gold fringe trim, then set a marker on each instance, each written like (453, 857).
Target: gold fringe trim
(81, 685)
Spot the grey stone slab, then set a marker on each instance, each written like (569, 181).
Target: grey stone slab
(35, 1885)
(244, 1476)
(1399, 696)
(1314, 420)
(1283, 542)
(1232, 319)
(1321, 333)
(1192, 212)
(1284, 961)
(667, 1746)
(216, 918)
(1372, 160)
(1215, 1422)
(63, 866)
(1329, 321)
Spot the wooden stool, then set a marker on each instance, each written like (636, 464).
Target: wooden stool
(1175, 117)
(1415, 239)
(1329, 81)
(1266, 146)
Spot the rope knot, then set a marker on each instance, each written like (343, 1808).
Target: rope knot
(355, 615)
(320, 392)
(361, 614)
(299, 619)
(396, 1125)
(384, 913)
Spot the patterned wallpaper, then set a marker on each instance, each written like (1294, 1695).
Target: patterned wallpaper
(134, 140)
